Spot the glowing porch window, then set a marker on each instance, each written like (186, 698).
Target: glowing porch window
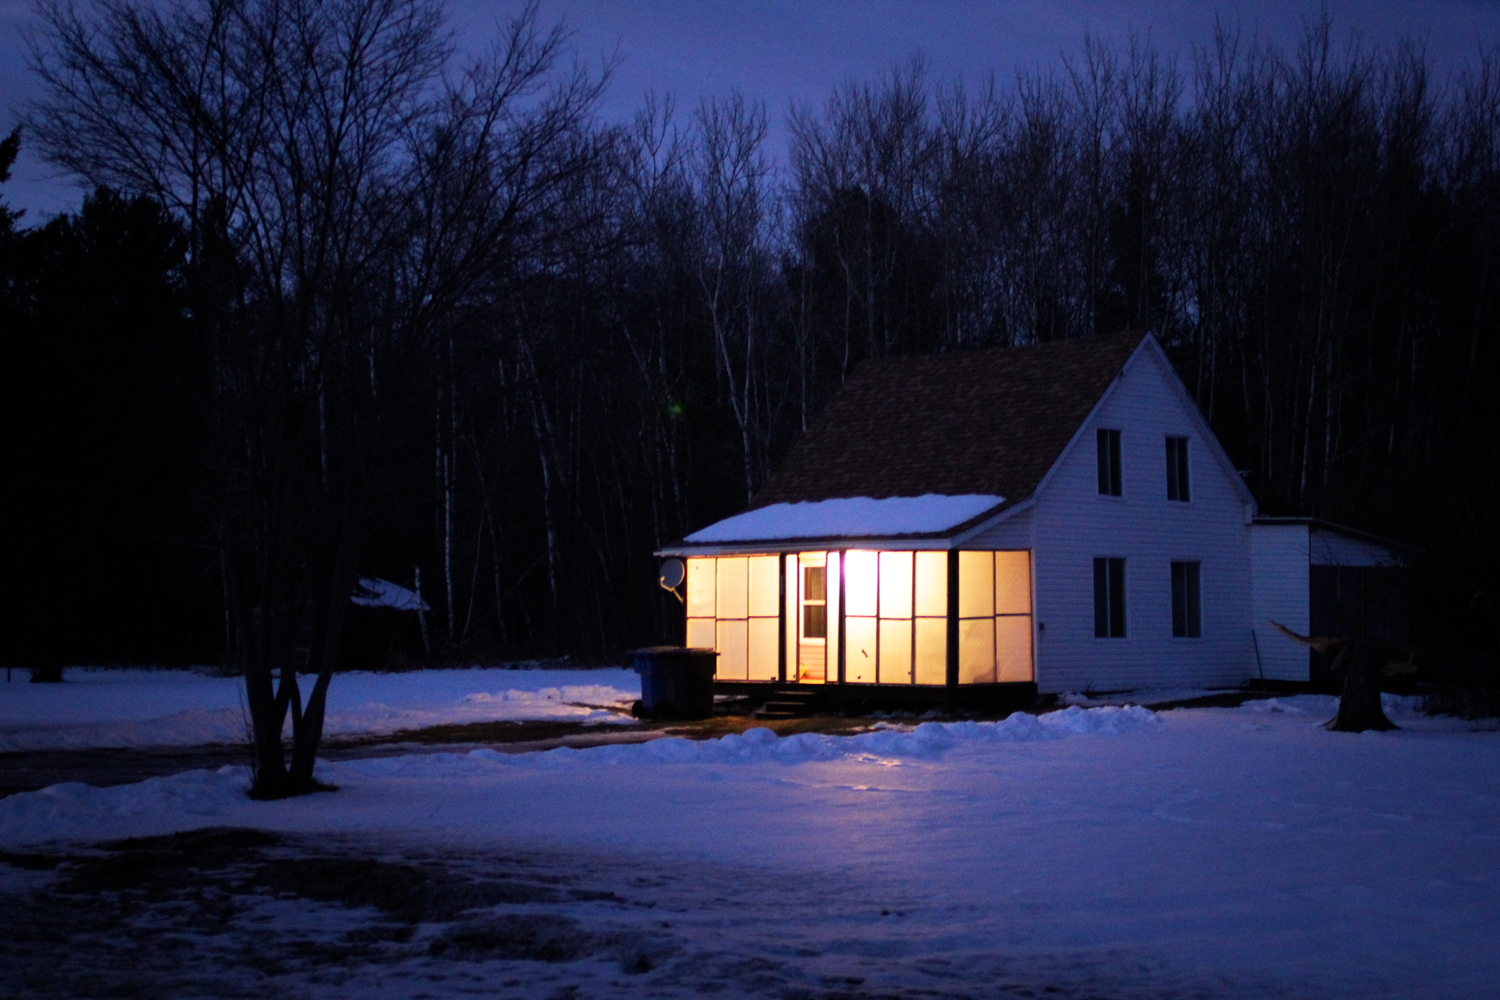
(994, 628)
(733, 606)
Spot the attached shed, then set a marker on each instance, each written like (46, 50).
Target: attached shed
(1319, 578)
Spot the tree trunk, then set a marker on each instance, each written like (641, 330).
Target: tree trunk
(1359, 707)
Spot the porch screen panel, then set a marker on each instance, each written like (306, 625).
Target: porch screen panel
(896, 586)
(976, 617)
(1013, 583)
(932, 585)
(734, 652)
(1013, 635)
(860, 584)
(702, 602)
(763, 601)
(930, 624)
(930, 642)
(734, 587)
(835, 567)
(895, 650)
(861, 595)
(976, 583)
(764, 635)
(994, 598)
(859, 649)
(765, 586)
(702, 633)
(733, 606)
(1013, 648)
(793, 602)
(976, 650)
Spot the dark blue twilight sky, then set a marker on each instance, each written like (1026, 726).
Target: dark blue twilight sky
(795, 50)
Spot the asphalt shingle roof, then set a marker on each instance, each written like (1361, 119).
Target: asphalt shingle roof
(991, 421)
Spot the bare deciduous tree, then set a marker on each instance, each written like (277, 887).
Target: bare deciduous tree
(344, 198)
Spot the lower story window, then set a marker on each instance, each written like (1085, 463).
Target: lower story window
(1187, 607)
(1109, 598)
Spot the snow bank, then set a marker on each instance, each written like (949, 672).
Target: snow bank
(140, 708)
(75, 811)
(854, 517)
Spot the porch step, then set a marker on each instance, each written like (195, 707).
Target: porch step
(786, 704)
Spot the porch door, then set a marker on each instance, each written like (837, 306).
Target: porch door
(817, 617)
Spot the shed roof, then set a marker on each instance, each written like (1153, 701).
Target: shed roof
(971, 422)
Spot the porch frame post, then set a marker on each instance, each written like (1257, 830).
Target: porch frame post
(952, 621)
(842, 603)
(781, 618)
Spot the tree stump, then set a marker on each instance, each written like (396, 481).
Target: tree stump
(1363, 662)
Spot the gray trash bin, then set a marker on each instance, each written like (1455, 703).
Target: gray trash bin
(676, 683)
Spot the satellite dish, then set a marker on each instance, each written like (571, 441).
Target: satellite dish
(672, 574)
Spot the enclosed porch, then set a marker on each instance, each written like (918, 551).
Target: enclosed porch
(872, 627)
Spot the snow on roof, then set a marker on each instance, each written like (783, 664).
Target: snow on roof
(374, 592)
(850, 517)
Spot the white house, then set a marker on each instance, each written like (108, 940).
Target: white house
(981, 524)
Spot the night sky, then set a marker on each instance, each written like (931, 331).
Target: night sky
(796, 50)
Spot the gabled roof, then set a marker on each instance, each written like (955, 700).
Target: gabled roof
(971, 422)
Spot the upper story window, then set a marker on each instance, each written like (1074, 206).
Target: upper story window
(1109, 463)
(1177, 469)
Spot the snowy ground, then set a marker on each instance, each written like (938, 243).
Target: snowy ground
(1101, 852)
(157, 708)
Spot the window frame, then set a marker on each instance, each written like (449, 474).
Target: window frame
(1187, 599)
(1110, 598)
(1111, 480)
(1179, 470)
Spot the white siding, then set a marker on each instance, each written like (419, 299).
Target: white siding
(1279, 560)
(1072, 523)
(1012, 533)
(1330, 548)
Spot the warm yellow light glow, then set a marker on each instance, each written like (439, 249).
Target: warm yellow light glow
(976, 584)
(793, 602)
(733, 647)
(833, 590)
(701, 633)
(701, 590)
(859, 583)
(932, 584)
(859, 649)
(976, 651)
(895, 584)
(764, 664)
(1013, 583)
(734, 587)
(932, 650)
(1013, 648)
(765, 586)
(896, 628)
(816, 658)
(895, 651)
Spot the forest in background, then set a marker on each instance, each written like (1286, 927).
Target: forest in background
(486, 336)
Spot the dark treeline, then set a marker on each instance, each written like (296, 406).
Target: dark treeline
(488, 337)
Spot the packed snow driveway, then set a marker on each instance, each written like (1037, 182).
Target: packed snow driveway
(111, 708)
